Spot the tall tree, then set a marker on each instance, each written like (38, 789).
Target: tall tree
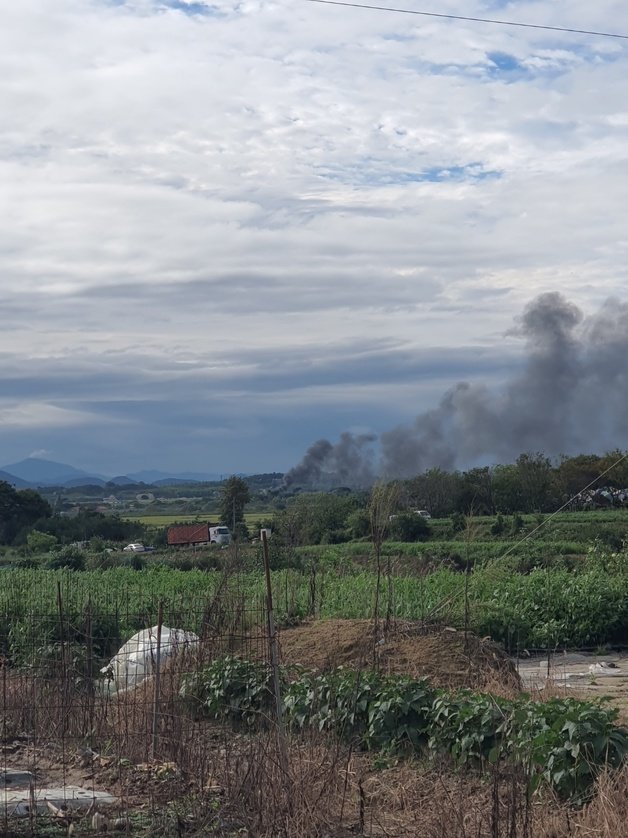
(536, 481)
(19, 509)
(437, 491)
(234, 496)
(476, 492)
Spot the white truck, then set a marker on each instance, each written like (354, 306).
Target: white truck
(219, 535)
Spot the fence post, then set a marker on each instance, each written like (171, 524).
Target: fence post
(157, 682)
(274, 661)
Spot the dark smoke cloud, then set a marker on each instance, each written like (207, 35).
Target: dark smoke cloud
(571, 396)
(347, 463)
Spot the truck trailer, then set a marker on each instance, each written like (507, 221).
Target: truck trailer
(189, 535)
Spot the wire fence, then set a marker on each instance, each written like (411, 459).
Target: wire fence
(101, 732)
(91, 700)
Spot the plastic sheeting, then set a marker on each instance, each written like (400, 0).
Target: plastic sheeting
(137, 659)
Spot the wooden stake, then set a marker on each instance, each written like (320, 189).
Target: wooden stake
(274, 662)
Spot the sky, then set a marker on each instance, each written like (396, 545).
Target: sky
(232, 228)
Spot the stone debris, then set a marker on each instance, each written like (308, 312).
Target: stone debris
(605, 496)
(20, 796)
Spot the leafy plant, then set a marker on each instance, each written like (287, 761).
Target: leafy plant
(563, 743)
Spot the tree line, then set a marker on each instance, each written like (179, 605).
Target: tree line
(532, 484)
(24, 510)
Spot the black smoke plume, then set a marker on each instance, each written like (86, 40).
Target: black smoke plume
(571, 396)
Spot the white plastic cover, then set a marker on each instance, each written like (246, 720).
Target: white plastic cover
(137, 659)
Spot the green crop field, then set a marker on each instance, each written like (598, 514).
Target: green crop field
(165, 519)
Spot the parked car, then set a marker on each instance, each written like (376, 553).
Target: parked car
(136, 547)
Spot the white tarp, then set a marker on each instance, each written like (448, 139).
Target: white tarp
(137, 659)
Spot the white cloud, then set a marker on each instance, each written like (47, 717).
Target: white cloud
(277, 176)
(40, 454)
(39, 415)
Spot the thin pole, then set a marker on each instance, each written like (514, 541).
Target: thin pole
(274, 661)
(160, 620)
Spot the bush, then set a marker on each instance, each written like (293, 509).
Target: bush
(40, 542)
(458, 522)
(498, 526)
(68, 557)
(409, 526)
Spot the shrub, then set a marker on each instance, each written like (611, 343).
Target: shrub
(40, 542)
(68, 557)
(408, 526)
(498, 526)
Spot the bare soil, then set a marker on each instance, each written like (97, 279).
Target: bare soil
(446, 657)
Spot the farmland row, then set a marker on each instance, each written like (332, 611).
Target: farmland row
(546, 608)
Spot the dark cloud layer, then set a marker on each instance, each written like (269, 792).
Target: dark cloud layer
(571, 395)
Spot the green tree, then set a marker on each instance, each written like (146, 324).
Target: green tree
(40, 542)
(234, 496)
(359, 523)
(437, 491)
(507, 489)
(572, 474)
(315, 518)
(536, 481)
(19, 510)
(476, 492)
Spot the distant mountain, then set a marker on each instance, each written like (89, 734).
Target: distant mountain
(82, 481)
(154, 476)
(39, 472)
(121, 480)
(174, 481)
(34, 471)
(17, 482)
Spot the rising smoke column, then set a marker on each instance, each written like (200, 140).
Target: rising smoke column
(347, 463)
(571, 396)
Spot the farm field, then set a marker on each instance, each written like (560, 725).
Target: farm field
(461, 612)
(165, 519)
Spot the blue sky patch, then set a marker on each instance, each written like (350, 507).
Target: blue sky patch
(504, 62)
(189, 8)
(370, 172)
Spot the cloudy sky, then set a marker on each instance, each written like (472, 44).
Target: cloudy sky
(230, 228)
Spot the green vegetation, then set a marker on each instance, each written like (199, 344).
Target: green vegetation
(20, 510)
(547, 607)
(563, 743)
(234, 496)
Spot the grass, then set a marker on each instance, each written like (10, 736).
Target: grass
(166, 519)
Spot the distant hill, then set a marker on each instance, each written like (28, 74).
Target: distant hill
(17, 482)
(82, 481)
(156, 477)
(39, 472)
(34, 471)
(122, 480)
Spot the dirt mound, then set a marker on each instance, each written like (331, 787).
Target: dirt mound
(408, 648)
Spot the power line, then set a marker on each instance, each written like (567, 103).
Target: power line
(494, 21)
(564, 506)
(461, 593)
